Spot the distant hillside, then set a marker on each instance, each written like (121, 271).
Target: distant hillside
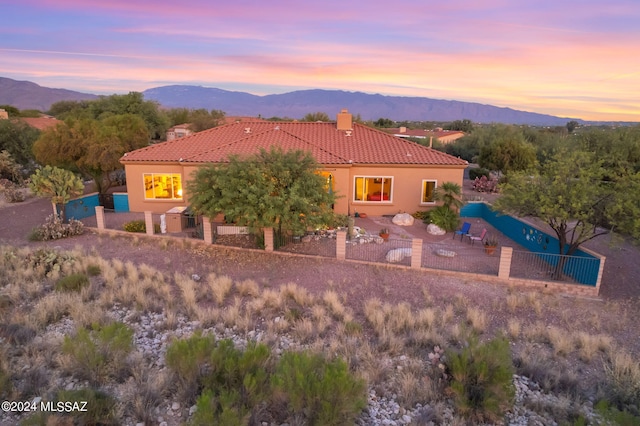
(370, 107)
(28, 95)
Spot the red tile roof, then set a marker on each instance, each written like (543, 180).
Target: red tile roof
(41, 123)
(362, 145)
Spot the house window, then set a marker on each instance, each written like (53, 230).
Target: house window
(375, 189)
(428, 189)
(162, 186)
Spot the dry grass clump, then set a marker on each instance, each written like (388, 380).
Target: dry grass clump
(513, 328)
(589, 345)
(334, 304)
(144, 391)
(248, 287)
(304, 330)
(426, 318)
(53, 307)
(188, 290)
(220, 287)
(298, 294)
(561, 341)
(477, 319)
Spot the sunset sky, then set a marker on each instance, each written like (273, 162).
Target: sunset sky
(571, 58)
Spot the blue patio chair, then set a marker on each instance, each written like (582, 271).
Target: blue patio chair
(466, 227)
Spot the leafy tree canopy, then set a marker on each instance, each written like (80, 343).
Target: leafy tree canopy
(507, 153)
(271, 189)
(107, 106)
(316, 116)
(17, 138)
(92, 147)
(465, 125)
(570, 195)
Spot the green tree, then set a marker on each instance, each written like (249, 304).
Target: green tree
(17, 138)
(316, 116)
(465, 125)
(571, 126)
(201, 119)
(506, 155)
(59, 185)
(384, 122)
(92, 147)
(568, 194)
(107, 106)
(271, 189)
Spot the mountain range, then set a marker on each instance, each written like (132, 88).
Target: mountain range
(296, 104)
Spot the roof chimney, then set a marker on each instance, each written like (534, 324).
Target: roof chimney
(344, 120)
(403, 129)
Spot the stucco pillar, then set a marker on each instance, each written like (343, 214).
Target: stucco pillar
(100, 217)
(207, 230)
(148, 222)
(341, 245)
(268, 239)
(504, 269)
(416, 253)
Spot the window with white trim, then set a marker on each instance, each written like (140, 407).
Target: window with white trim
(162, 186)
(428, 190)
(374, 189)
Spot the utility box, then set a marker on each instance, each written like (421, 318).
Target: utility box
(174, 219)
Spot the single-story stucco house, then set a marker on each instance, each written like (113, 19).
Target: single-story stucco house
(371, 171)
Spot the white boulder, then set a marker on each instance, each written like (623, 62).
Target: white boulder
(403, 219)
(434, 229)
(396, 255)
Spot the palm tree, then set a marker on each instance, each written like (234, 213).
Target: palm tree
(450, 193)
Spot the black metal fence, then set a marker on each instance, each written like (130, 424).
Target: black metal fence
(554, 267)
(315, 244)
(473, 259)
(375, 249)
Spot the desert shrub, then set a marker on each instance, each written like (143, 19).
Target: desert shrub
(482, 378)
(93, 270)
(17, 334)
(186, 358)
(72, 282)
(5, 382)
(139, 226)
(100, 407)
(485, 184)
(444, 217)
(243, 386)
(236, 386)
(478, 172)
(616, 416)
(12, 193)
(319, 391)
(99, 353)
(135, 226)
(623, 382)
(47, 260)
(55, 229)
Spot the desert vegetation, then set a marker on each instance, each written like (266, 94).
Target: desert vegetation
(141, 344)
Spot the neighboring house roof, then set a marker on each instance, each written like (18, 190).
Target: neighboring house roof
(403, 132)
(40, 123)
(328, 145)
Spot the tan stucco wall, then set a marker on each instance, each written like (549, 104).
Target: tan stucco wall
(407, 187)
(406, 191)
(135, 187)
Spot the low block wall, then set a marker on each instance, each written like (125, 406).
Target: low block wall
(82, 207)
